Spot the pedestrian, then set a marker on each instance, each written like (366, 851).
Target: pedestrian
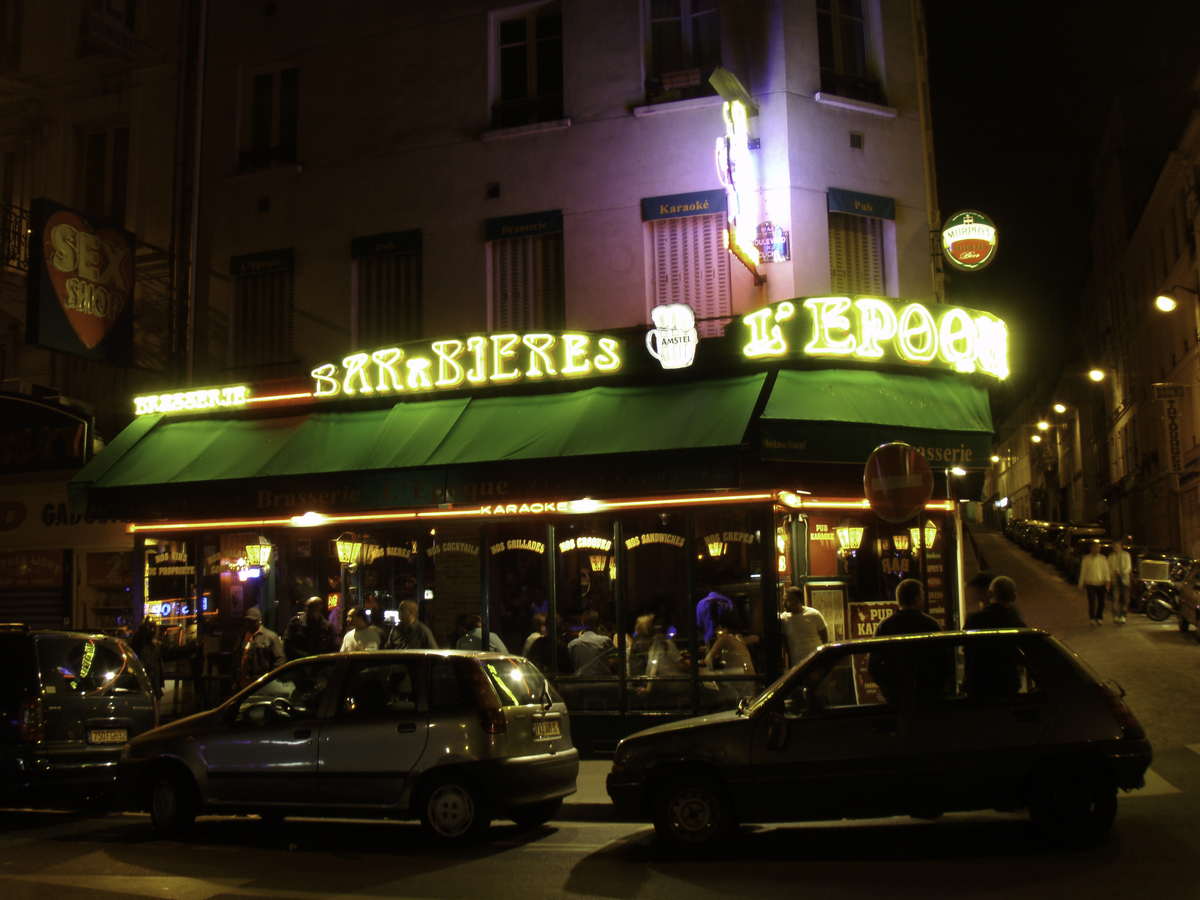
(1120, 568)
(360, 635)
(1095, 577)
(804, 628)
(309, 632)
(992, 669)
(144, 644)
(910, 618)
(1001, 611)
(410, 633)
(590, 651)
(473, 639)
(259, 650)
(976, 589)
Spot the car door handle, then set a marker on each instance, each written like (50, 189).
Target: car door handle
(406, 727)
(304, 733)
(1025, 715)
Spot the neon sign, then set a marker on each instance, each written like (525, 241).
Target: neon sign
(876, 329)
(471, 361)
(734, 167)
(187, 401)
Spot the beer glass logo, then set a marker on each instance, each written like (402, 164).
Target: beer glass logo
(675, 333)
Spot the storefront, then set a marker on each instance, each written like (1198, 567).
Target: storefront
(660, 489)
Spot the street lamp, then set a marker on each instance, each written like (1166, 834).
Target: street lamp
(349, 546)
(1167, 301)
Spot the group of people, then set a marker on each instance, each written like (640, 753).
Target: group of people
(1099, 575)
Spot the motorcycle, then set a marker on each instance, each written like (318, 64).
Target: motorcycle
(1161, 599)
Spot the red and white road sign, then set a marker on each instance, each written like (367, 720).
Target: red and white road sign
(897, 482)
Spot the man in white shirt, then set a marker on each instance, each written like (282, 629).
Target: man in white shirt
(1095, 577)
(1120, 568)
(359, 633)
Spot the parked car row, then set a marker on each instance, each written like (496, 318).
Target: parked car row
(1063, 544)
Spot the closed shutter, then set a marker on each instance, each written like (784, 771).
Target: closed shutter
(263, 319)
(389, 299)
(856, 254)
(528, 283)
(691, 266)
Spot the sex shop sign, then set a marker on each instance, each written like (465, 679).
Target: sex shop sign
(81, 276)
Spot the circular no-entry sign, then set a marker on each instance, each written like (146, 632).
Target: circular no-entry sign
(897, 482)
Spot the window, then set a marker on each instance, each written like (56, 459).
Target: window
(262, 322)
(380, 690)
(856, 254)
(843, 47)
(271, 107)
(528, 283)
(685, 47)
(528, 79)
(691, 266)
(104, 185)
(388, 292)
(10, 35)
(293, 694)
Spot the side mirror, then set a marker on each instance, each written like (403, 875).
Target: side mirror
(777, 733)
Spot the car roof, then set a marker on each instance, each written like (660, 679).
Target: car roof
(939, 636)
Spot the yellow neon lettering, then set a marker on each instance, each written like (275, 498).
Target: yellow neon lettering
(504, 349)
(923, 328)
(956, 335)
(991, 347)
(477, 347)
(450, 371)
(609, 359)
(327, 385)
(386, 362)
(418, 374)
(877, 323)
(575, 358)
(829, 316)
(762, 343)
(540, 346)
(356, 367)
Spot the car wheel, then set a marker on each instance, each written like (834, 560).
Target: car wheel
(1073, 804)
(693, 813)
(173, 804)
(536, 814)
(454, 810)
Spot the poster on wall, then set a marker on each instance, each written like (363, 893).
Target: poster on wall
(80, 290)
(822, 547)
(110, 570)
(864, 619)
(829, 599)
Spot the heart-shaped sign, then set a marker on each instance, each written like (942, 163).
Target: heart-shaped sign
(92, 274)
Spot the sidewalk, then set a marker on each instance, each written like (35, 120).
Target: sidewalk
(592, 775)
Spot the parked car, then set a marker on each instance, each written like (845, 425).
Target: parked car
(1075, 543)
(68, 703)
(1030, 534)
(1189, 599)
(1044, 543)
(976, 720)
(452, 738)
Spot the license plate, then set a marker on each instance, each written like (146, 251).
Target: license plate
(108, 736)
(545, 729)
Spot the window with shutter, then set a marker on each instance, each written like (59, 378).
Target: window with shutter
(856, 254)
(528, 283)
(691, 266)
(263, 319)
(389, 299)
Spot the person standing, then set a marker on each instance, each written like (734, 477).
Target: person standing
(360, 634)
(1120, 568)
(804, 628)
(473, 639)
(259, 650)
(992, 669)
(144, 644)
(411, 633)
(976, 589)
(909, 618)
(1095, 577)
(309, 632)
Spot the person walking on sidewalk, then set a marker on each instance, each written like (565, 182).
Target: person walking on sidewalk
(1096, 579)
(1120, 567)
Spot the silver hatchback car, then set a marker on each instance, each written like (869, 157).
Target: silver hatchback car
(452, 738)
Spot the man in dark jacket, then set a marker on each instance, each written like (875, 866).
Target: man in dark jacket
(411, 633)
(992, 669)
(885, 665)
(309, 632)
(259, 650)
(145, 645)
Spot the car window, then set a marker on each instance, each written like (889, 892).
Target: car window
(847, 683)
(293, 693)
(518, 682)
(86, 666)
(380, 690)
(989, 670)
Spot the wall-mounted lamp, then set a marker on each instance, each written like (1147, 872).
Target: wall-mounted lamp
(1060, 408)
(1043, 425)
(1167, 300)
(900, 541)
(599, 562)
(995, 459)
(849, 537)
(1036, 438)
(930, 535)
(349, 546)
(259, 554)
(716, 549)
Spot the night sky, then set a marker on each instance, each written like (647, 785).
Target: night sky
(1021, 93)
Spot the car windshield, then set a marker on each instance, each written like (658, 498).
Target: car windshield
(518, 682)
(86, 666)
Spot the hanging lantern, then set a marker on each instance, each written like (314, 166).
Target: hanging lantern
(259, 554)
(849, 537)
(349, 546)
(900, 541)
(930, 535)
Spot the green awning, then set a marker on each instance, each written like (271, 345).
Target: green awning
(360, 447)
(841, 415)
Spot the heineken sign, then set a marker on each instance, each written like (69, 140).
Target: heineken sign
(969, 240)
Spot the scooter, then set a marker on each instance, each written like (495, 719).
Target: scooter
(1161, 602)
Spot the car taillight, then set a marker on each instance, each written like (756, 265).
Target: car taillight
(32, 722)
(1131, 728)
(493, 721)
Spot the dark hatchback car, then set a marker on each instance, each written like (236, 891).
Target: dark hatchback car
(913, 725)
(452, 738)
(70, 702)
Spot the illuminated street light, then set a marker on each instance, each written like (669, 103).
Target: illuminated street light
(1059, 408)
(1096, 375)
(995, 459)
(1165, 302)
(1037, 438)
(1043, 425)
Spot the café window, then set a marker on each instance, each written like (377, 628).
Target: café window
(388, 289)
(691, 266)
(684, 48)
(528, 283)
(263, 318)
(857, 254)
(528, 74)
(843, 45)
(104, 181)
(270, 118)
(518, 556)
